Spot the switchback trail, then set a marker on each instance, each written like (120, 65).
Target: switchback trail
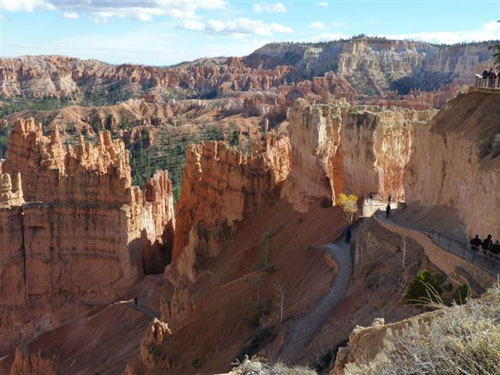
(308, 326)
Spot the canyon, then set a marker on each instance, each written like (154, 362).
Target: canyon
(230, 240)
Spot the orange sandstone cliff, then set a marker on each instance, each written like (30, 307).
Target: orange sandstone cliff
(376, 147)
(74, 233)
(220, 187)
(316, 166)
(455, 162)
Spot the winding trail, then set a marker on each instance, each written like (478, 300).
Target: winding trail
(149, 313)
(308, 326)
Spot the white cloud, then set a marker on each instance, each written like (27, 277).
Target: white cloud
(245, 26)
(338, 24)
(25, 5)
(152, 44)
(193, 25)
(488, 31)
(317, 25)
(71, 15)
(269, 7)
(323, 4)
(101, 11)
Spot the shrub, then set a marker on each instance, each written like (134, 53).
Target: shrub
(258, 367)
(460, 340)
(461, 294)
(425, 289)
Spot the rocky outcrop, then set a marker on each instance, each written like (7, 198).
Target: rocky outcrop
(365, 343)
(220, 187)
(152, 353)
(315, 137)
(455, 162)
(84, 234)
(27, 362)
(376, 147)
(11, 193)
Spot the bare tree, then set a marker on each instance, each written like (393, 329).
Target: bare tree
(280, 291)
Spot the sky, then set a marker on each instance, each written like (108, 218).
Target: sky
(166, 32)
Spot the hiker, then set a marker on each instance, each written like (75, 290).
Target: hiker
(487, 242)
(475, 243)
(486, 75)
(135, 301)
(493, 75)
(347, 234)
(388, 210)
(495, 248)
(371, 196)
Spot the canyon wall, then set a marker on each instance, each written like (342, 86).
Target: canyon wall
(376, 147)
(220, 187)
(371, 66)
(84, 234)
(455, 162)
(315, 137)
(375, 65)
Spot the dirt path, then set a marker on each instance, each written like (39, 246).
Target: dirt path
(308, 326)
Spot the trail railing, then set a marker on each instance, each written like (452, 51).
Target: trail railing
(486, 83)
(482, 258)
(486, 260)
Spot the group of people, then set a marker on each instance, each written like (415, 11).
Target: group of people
(489, 78)
(486, 245)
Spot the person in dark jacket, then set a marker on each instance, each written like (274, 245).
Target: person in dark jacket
(487, 242)
(388, 211)
(486, 75)
(475, 243)
(493, 75)
(495, 248)
(347, 234)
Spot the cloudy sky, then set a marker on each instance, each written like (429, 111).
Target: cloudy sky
(164, 32)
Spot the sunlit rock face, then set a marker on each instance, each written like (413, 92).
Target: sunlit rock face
(455, 162)
(316, 171)
(376, 147)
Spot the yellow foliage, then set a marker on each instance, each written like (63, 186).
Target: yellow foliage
(349, 203)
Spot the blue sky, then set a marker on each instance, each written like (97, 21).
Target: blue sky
(164, 32)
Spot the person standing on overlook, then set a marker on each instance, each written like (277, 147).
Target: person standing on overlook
(475, 243)
(486, 75)
(493, 75)
(487, 242)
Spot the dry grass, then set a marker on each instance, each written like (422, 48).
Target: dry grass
(463, 340)
(258, 367)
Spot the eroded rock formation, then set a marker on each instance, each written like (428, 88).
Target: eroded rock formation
(455, 162)
(27, 362)
(220, 187)
(315, 138)
(84, 234)
(376, 147)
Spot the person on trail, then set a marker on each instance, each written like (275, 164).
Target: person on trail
(493, 75)
(486, 75)
(135, 301)
(495, 248)
(475, 243)
(487, 242)
(347, 234)
(371, 196)
(388, 210)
